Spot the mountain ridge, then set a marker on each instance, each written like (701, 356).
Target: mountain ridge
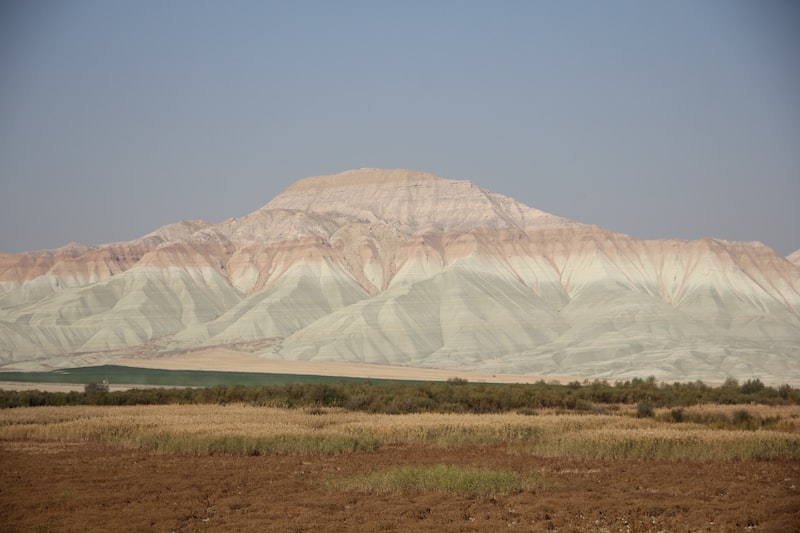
(794, 257)
(403, 267)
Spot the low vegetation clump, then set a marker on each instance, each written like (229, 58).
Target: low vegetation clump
(166, 442)
(644, 410)
(96, 387)
(729, 417)
(452, 479)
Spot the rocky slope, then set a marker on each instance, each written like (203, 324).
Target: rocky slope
(403, 267)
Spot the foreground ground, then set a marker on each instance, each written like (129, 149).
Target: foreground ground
(47, 486)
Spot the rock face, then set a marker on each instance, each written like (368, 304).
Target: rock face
(405, 268)
(794, 257)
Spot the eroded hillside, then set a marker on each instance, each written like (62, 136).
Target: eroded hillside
(405, 268)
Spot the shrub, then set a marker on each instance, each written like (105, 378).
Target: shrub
(644, 410)
(743, 419)
(96, 387)
(752, 386)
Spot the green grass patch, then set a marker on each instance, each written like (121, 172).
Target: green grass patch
(452, 435)
(452, 479)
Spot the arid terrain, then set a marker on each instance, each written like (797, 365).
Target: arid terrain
(246, 468)
(86, 487)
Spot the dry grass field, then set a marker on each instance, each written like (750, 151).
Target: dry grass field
(246, 468)
(246, 430)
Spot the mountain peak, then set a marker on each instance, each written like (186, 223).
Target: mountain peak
(413, 200)
(365, 176)
(794, 257)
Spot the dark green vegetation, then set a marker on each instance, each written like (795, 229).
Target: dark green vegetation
(396, 397)
(175, 378)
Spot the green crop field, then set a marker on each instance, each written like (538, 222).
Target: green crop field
(115, 374)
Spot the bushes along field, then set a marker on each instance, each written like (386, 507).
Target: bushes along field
(453, 396)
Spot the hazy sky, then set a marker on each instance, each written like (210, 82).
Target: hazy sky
(655, 119)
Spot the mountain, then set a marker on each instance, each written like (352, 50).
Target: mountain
(794, 257)
(405, 268)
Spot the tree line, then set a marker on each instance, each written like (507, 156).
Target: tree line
(453, 396)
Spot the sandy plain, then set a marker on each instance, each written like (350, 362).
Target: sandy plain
(229, 360)
(219, 359)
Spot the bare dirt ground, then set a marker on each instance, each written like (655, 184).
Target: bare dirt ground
(58, 487)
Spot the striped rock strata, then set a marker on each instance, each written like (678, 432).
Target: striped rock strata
(404, 268)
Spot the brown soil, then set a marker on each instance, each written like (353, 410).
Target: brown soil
(47, 487)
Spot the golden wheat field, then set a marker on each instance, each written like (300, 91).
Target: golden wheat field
(708, 433)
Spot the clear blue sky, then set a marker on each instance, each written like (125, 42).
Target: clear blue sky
(656, 119)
